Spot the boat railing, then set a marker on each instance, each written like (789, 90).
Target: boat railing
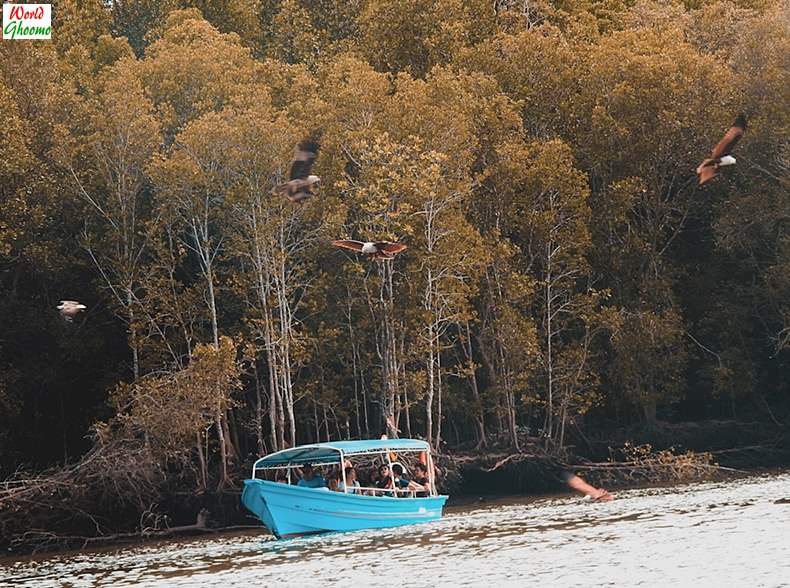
(375, 491)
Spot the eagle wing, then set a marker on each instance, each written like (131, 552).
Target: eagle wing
(305, 155)
(730, 139)
(390, 247)
(706, 171)
(349, 244)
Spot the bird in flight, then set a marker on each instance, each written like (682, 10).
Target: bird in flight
(378, 250)
(720, 156)
(69, 309)
(299, 186)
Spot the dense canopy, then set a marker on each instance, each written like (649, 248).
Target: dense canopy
(564, 273)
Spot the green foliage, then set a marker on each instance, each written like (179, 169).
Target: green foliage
(414, 35)
(194, 69)
(649, 360)
(172, 410)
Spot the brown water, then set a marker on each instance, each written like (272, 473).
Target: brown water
(713, 534)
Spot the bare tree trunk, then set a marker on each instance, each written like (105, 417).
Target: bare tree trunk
(505, 373)
(430, 393)
(563, 417)
(356, 382)
(438, 436)
(548, 423)
(212, 306)
(390, 389)
(133, 343)
(509, 399)
(494, 378)
(285, 337)
(206, 253)
(354, 365)
(326, 424)
(365, 404)
(231, 434)
(203, 478)
(222, 449)
(315, 423)
(258, 410)
(406, 399)
(276, 403)
(280, 418)
(466, 344)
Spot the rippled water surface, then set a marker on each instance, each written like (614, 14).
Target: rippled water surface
(716, 534)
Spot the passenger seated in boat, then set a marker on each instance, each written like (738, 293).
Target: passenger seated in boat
(310, 479)
(352, 485)
(333, 482)
(421, 484)
(373, 477)
(399, 481)
(281, 478)
(384, 480)
(372, 481)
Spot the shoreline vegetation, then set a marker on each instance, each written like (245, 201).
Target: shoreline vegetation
(78, 507)
(565, 289)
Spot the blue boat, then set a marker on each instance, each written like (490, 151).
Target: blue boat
(289, 510)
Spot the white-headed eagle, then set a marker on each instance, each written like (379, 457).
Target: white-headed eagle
(299, 186)
(720, 156)
(378, 250)
(69, 309)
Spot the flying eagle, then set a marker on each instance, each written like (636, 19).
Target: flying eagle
(720, 156)
(69, 309)
(299, 186)
(379, 250)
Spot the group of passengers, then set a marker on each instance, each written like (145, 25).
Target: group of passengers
(384, 480)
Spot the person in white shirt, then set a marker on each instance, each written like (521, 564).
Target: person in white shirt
(352, 484)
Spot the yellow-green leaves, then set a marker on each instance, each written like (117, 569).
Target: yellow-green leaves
(16, 163)
(173, 409)
(412, 36)
(194, 69)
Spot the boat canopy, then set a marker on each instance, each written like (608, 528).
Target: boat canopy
(333, 452)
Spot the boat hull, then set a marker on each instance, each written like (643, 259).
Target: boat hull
(293, 510)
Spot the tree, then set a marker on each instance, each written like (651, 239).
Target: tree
(192, 185)
(415, 35)
(193, 69)
(640, 134)
(274, 239)
(138, 19)
(172, 409)
(124, 135)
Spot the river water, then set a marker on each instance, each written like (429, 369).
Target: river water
(711, 534)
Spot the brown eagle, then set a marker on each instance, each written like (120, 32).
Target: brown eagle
(299, 186)
(378, 250)
(69, 309)
(720, 156)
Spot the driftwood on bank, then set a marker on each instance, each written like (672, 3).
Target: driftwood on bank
(537, 471)
(509, 459)
(111, 484)
(637, 464)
